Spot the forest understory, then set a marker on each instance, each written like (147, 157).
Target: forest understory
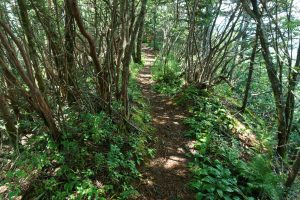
(149, 99)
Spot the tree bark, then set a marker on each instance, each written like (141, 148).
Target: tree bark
(293, 173)
(54, 38)
(127, 57)
(36, 97)
(273, 78)
(290, 99)
(26, 25)
(138, 51)
(250, 73)
(101, 85)
(9, 121)
(70, 34)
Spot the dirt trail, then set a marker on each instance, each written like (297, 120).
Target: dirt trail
(166, 176)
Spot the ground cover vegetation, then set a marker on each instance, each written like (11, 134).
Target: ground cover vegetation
(77, 116)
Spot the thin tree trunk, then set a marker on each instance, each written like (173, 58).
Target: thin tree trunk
(250, 73)
(293, 173)
(138, 51)
(127, 57)
(290, 100)
(70, 48)
(55, 40)
(273, 78)
(31, 44)
(101, 85)
(36, 98)
(9, 121)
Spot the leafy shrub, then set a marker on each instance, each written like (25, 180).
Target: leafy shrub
(167, 76)
(214, 181)
(93, 149)
(95, 159)
(221, 157)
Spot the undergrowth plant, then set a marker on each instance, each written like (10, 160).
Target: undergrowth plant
(167, 75)
(95, 159)
(223, 166)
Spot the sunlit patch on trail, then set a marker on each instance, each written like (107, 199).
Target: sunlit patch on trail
(165, 176)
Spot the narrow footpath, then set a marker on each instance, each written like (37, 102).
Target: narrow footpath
(166, 176)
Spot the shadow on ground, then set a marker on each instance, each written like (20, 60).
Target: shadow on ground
(166, 176)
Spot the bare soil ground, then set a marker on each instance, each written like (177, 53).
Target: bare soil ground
(166, 176)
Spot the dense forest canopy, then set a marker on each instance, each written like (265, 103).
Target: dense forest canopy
(149, 99)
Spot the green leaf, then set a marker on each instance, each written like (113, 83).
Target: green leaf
(220, 193)
(229, 189)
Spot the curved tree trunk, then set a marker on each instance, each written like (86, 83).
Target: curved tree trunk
(273, 78)
(35, 97)
(9, 121)
(102, 84)
(31, 44)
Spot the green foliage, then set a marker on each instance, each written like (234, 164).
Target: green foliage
(95, 159)
(223, 168)
(262, 177)
(213, 181)
(140, 111)
(134, 69)
(260, 100)
(119, 168)
(167, 75)
(92, 150)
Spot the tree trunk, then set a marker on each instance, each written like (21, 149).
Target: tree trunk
(69, 53)
(273, 78)
(9, 121)
(101, 84)
(55, 41)
(290, 99)
(35, 98)
(293, 173)
(138, 50)
(155, 47)
(250, 73)
(127, 57)
(26, 25)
